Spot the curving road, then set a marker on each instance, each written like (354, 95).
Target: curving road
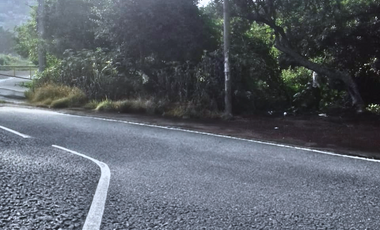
(171, 179)
(11, 89)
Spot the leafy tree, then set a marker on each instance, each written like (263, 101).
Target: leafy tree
(70, 24)
(6, 41)
(27, 38)
(167, 30)
(301, 27)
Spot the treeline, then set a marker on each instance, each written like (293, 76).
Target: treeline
(6, 41)
(170, 52)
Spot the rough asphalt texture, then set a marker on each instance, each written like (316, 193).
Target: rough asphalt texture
(164, 179)
(41, 187)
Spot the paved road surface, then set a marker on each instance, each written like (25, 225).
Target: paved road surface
(168, 179)
(42, 187)
(10, 87)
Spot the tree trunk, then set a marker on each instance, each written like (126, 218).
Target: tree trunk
(345, 77)
(227, 73)
(41, 35)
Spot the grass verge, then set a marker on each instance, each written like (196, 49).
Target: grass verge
(56, 96)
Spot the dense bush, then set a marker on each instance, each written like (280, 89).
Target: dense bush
(95, 73)
(56, 96)
(6, 41)
(168, 52)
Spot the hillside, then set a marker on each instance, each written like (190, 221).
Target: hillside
(14, 12)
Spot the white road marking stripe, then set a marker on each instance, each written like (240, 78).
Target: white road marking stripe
(233, 138)
(15, 132)
(218, 135)
(94, 216)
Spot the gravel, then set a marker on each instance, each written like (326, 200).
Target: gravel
(149, 213)
(41, 187)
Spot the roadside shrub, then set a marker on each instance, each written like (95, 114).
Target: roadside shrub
(131, 106)
(95, 73)
(91, 104)
(256, 83)
(189, 110)
(124, 106)
(374, 108)
(107, 106)
(56, 96)
(60, 103)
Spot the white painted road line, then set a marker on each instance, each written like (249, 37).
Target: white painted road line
(233, 138)
(15, 132)
(95, 215)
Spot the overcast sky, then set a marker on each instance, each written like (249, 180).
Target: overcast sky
(204, 2)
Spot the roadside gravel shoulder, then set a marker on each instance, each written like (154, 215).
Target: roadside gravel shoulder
(42, 187)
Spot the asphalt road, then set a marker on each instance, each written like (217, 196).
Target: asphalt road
(170, 179)
(42, 187)
(11, 89)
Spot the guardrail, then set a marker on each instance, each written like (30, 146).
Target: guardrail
(17, 71)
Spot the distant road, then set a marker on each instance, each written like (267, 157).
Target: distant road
(171, 179)
(10, 87)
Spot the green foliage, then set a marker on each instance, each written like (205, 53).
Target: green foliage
(71, 25)
(95, 73)
(296, 79)
(374, 108)
(341, 35)
(152, 31)
(170, 51)
(6, 41)
(11, 60)
(27, 39)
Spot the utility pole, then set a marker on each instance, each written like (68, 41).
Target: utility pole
(41, 35)
(227, 73)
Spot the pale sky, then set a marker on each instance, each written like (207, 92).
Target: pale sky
(204, 2)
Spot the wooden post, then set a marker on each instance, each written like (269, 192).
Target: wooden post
(41, 35)
(227, 72)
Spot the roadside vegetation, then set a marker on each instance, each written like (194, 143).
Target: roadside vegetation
(13, 60)
(165, 57)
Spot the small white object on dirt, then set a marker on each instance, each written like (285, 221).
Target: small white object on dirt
(276, 128)
(322, 115)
